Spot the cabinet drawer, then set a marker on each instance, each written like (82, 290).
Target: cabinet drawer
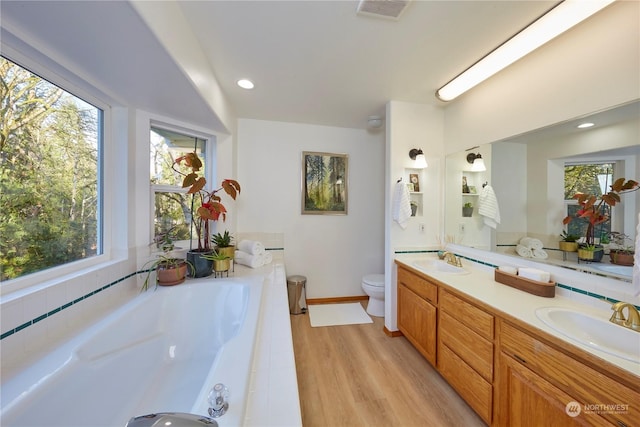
(475, 350)
(477, 392)
(468, 314)
(426, 290)
(583, 382)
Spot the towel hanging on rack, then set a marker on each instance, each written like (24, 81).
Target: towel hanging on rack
(401, 209)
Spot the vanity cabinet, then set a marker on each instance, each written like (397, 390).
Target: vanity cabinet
(417, 299)
(465, 351)
(536, 382)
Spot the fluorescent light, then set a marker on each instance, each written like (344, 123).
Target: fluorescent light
(245, 84)
(585, 125)
(555, 22)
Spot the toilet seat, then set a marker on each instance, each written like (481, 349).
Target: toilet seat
(376, 280)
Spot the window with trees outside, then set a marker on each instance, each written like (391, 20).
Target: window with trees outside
(591, 178)
(172, 206)
(50, 153)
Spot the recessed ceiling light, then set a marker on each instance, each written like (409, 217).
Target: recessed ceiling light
(245, 84)
(585, 125)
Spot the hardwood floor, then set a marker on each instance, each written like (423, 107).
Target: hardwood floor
(355, 375)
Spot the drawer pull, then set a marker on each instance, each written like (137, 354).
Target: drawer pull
(519, 359)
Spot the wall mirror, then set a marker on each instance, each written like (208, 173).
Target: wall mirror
(526, 173)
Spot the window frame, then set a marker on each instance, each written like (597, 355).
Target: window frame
(107, 176)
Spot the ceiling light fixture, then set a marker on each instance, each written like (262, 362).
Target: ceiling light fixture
(477, 162)
(245, 84)
(417, 155)
(585, 125)
(375, 122)
(553, 23)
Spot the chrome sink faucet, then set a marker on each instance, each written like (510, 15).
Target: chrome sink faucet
(633, 322)
(452, 259)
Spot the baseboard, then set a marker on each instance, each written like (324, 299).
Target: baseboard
(335, 300)
(392, 334)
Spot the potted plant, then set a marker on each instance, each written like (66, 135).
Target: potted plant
(619, 252)
(207, 205)
(224, 244)
(467, 209)
(592, 208)
(568, 242)
(169, 269)
(414, 207)
(221, 261)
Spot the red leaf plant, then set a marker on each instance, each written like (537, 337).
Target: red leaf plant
(211, 207)
(592, 207)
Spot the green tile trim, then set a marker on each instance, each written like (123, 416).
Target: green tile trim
(66, 305)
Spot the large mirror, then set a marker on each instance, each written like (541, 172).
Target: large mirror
(526, 173)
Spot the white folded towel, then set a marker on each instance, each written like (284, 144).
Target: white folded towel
(534, 274)
(531, 243)
(539, 253)
(267, 258)
(401, 209)
(252, 247)
(523, 251)
(253, 261)
(488, 207)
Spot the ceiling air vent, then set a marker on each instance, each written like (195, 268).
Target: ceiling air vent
(382, 8)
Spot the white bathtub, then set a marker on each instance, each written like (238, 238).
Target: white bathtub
(162, 352)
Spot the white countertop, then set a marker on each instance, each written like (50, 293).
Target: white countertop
(481, 286)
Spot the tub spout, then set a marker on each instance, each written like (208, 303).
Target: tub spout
(171, 418)
(218, 400)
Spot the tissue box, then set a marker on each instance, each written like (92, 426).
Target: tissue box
(541, 289)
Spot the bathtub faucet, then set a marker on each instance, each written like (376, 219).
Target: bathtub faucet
(218, 403)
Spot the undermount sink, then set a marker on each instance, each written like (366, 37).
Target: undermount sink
(439, 266)
(592, 331)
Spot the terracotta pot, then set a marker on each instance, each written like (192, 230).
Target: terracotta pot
(568, 246)
(169, 276)
(621, 257)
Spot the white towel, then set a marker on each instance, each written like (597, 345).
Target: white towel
(252, 247)
(267, 258)
(534, 274)
(401, 209)
(531, 243)
(253, 261)
(539, 253)
(488, 207)
(524, 251)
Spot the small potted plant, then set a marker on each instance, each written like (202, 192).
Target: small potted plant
(467, 209)
(169, 269)
(619, 252)
(592, 208)
(221, 261)
(224, 243)
(209, 208)
(568, 242)
(414, 207)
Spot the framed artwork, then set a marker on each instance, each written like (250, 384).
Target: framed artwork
(413, 177)
(324, 183)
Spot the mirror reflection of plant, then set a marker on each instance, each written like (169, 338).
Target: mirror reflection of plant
(592, 207)
(211, 208)
(618, 242)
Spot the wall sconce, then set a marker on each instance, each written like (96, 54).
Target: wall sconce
(558, 20)
(477, 162)
(417, 155)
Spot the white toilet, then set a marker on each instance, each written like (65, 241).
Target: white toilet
(373, 285)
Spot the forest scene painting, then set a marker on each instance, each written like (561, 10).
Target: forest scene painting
(324, 183)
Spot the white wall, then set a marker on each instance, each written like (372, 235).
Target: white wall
(332, 251)
(589, 68)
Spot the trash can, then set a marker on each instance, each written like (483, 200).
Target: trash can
(297, 298)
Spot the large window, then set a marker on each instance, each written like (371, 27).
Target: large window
(172, 206)
(50, 151)
(589, 178)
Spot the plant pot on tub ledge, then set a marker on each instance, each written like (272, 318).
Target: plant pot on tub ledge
(590, 253)
(208, 207)
(569, 242)
(221, 262)
(621, 249)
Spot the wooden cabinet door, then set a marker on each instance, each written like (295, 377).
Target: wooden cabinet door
(417, 321)
(526, 399)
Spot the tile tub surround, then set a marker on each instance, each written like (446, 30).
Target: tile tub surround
(481, 286)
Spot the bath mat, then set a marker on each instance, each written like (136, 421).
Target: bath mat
(337, 314)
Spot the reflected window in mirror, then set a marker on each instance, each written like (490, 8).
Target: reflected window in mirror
(589, 178)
